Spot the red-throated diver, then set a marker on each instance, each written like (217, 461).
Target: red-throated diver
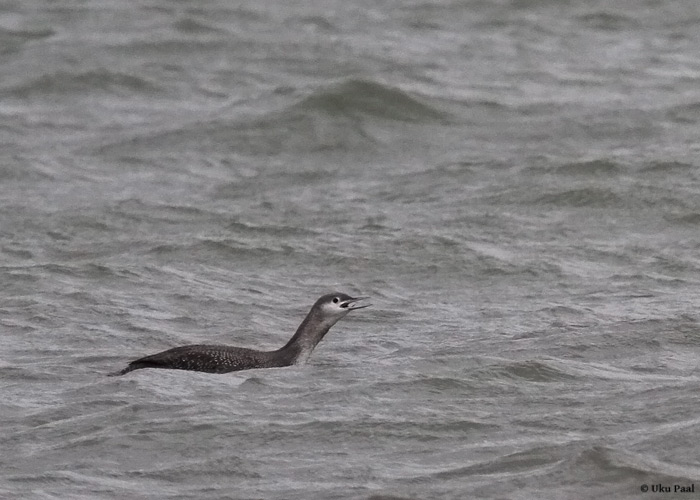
(223, 359)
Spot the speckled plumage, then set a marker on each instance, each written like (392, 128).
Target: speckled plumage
(223, 359)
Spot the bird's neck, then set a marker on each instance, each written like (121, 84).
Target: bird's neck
(308, 335)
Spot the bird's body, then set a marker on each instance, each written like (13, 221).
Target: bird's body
(208, 358)
(223, 359)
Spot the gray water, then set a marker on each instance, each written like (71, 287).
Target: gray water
(515, 183)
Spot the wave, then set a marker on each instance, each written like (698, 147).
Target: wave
(530, 370)
(690, 218)
(332, 118)
(78, 84)
(612, 459)
(238, 249)
(341, 117)
(597, 168)
(667, 167)
(608, 21)
(532, 461)
(193, 26)
(590, 196)
(579, 195)
(581, 369)
(13, 40)
(356, 98)
(685, 114)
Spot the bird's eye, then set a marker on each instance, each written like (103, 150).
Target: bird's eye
(335, 300)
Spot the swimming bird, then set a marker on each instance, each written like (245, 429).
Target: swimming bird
(325, 313)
